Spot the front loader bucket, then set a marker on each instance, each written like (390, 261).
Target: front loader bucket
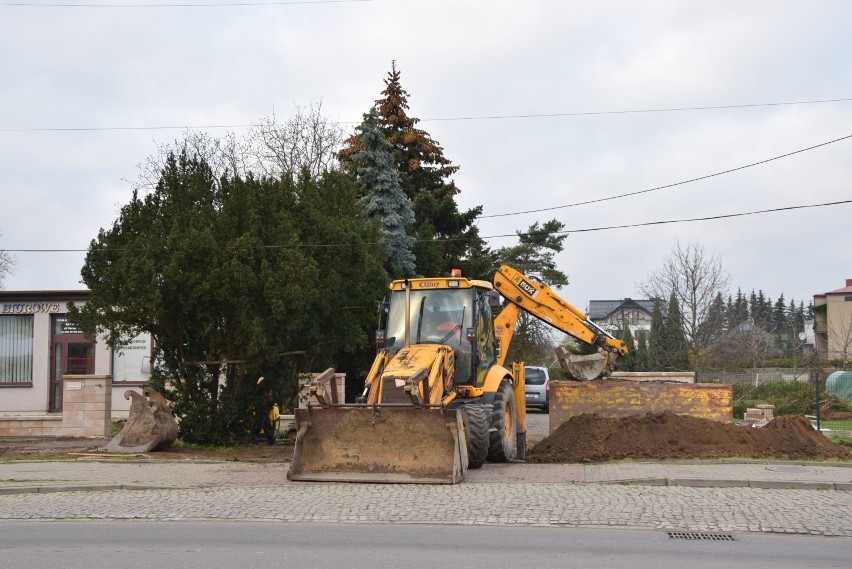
(586, 368)
(391, 444)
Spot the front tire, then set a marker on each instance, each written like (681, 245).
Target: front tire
(504, 425)
(478, 422)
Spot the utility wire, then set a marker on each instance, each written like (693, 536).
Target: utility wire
(449, 239)
(637, 111)
(708, 218)
(636, 193)
(109, 128)
(441, 119)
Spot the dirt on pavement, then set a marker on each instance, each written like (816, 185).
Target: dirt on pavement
(592, 438)
(82, 448)
(584, 438)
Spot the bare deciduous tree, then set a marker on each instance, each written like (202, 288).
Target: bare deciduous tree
(309, 140)
(695, 278)
(7, 265)
(223, 155)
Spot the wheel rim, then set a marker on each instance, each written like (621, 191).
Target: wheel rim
(507, 422)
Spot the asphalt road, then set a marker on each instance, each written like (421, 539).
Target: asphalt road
(201, 545)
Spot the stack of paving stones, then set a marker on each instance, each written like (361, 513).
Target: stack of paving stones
(759, 415)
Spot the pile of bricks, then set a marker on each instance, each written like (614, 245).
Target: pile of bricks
(759, 415)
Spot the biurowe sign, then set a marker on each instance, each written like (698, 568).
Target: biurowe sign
(29, 307)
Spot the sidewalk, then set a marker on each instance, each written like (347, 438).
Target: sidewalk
(103, 474)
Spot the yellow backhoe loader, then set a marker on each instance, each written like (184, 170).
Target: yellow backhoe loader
(438, 399)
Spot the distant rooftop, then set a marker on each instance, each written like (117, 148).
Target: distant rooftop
(846, 289)
(600, 309)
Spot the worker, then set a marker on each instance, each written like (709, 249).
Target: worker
(263, 415)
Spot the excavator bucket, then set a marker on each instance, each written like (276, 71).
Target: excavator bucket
(586, 368)
(392, 444)
(150, 425)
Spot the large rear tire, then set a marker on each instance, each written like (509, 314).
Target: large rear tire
(504, 425)
(478, 423)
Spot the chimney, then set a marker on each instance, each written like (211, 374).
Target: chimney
(848, 282)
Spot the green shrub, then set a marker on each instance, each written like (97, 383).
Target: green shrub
(789, 397)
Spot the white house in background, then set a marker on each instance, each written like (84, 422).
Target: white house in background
(613, 315)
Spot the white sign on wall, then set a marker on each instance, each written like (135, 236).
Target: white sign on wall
(133, 361)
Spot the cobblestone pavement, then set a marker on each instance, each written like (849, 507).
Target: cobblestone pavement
(586, 505)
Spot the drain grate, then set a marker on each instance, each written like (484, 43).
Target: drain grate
(704, 536)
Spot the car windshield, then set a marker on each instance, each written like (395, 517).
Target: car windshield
(435, 316)
(534, 376)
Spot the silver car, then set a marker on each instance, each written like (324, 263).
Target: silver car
(538, 387)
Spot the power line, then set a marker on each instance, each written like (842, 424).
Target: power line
(179, 5)
(638, 111)
(708, 218)
(110, 128)
(440, 119)
(669, 185)
(449, 239)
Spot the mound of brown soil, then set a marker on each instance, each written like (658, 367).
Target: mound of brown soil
(592, 438)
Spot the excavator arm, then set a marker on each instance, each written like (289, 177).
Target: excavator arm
(536, 298)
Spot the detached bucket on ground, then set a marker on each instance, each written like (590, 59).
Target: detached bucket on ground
(391, 444)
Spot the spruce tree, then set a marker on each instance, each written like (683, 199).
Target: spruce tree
(754, 308)
(446, 237)
(628, 362)
(642, 358)
(779, 315)
(738, 310)
(656, 339)
(715, 324)
(797, 316)
(677, 348)
(383, 198)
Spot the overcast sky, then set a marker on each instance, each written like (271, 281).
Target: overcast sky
(584, 64)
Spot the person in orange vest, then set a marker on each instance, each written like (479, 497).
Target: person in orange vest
(265, 415)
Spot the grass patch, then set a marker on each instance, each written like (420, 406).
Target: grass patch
(842, 440)
(189, 447)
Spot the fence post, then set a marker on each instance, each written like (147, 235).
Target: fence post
(816, 375)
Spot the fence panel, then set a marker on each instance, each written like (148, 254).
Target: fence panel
(791, 391)
(834, 404)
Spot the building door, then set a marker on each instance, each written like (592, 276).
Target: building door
(70, 354)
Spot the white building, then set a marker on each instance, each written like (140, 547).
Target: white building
(40, 351)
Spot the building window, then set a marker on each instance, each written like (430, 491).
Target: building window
(16, 349)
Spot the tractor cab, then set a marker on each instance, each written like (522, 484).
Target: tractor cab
(453, 311)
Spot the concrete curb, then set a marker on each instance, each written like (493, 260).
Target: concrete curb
(87, 488)
(685, 482)
(705, 483)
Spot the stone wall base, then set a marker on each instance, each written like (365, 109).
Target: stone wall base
(86, 412)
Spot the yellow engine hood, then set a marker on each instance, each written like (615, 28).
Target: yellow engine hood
(408, 361)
